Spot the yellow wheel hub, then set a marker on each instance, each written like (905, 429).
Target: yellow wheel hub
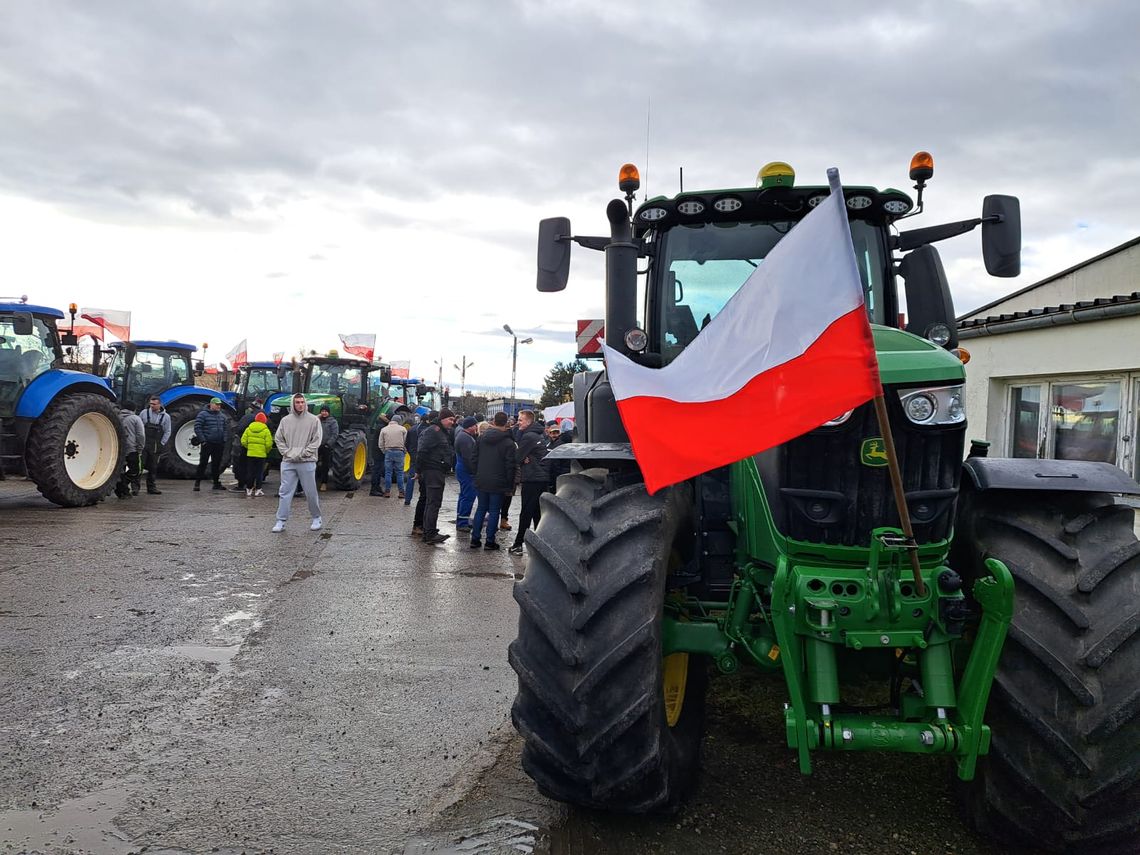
(675, 674)
(359, 461)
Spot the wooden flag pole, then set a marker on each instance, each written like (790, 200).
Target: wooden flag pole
(897, 486)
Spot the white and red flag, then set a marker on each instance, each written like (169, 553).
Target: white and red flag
(791, 350)
(238, 355)
(278, 357)
(359, 344)
(114, 321)
(402, 368)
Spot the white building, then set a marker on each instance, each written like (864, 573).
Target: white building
(1055, 367)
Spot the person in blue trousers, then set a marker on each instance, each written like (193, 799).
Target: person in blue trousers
(495, 474)
(465, 472)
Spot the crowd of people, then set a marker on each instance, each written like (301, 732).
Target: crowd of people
(493, 459)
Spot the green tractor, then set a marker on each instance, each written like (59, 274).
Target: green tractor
(343, 385)
(794, 560)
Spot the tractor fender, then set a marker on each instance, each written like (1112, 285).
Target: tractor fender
(592, 451)
(1077, 476)
(179, 393)
(47, 386)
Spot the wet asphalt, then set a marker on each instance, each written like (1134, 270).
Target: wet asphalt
(175, 678)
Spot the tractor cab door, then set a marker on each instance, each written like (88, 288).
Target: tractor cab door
(27, 349)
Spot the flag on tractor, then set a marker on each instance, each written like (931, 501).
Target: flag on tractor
(792, 349)
(114, 321)
(238, 355)
(278, 357)
(402, 368)
(359, 344)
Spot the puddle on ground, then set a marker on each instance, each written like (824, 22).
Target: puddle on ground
(219, 656)
(496, 835)
(77, 825)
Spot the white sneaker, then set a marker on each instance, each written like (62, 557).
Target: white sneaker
(279, 526)
(248, 493)
(316, 526)
(258, 492)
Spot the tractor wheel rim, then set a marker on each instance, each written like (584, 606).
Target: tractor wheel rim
(675, 673)
(186, 452)
(91, 451)
(359, 461)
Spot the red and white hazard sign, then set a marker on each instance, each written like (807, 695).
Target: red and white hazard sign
(591, 332)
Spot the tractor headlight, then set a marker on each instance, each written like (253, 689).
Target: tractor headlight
(941, 405)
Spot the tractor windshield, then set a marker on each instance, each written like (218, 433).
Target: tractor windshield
(702, 265)
(24, 356)
(344, 381)
(261, 382)
(149, 372)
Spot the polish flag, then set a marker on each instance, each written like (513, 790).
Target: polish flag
(791, 350)
(402, 368)
(239, 355)
(114, 321)
(278, 357)
(360, 344)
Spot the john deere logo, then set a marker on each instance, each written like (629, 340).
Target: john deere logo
(873, 452)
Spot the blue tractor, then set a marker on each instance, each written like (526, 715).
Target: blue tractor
(138, 369)
(60, 428)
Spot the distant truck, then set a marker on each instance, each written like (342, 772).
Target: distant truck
(510, 407)
(60, 428)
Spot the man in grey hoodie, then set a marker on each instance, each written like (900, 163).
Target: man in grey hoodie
(298, 438)
(134, 436)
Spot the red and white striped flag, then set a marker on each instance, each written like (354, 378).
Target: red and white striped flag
(238, 355)
(359, 344)
(402, 368)
(114, 321)
(791, 350)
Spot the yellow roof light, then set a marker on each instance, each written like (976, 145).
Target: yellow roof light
(775, 174)
(629, 179)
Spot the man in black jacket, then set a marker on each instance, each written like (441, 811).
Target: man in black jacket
(433, 458)
(534, 478)
(494, 476)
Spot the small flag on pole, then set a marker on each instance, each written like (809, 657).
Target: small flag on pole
(114, 321)
(402, 368)
(278, 357)
(359, 344)
(790, 350)
(239, 355)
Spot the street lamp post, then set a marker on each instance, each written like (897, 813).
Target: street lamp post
(463, 376)
(514, 359)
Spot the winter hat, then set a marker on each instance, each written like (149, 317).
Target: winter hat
(215, 400)
(468, 423)
(567, 425)
(445, 413)
(260, 417)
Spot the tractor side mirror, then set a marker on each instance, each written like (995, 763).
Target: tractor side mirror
(1001, 235)
(199, 367)
(553, 254)
(69, 339)
(929, 305)
(386, 375)
(22, 323)
(421, 390)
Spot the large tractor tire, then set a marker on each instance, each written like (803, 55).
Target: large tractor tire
(180, 456)
(1063, 772)
(349, 460)
(608, 722)
(74, 452)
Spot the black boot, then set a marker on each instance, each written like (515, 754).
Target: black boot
(197, 486)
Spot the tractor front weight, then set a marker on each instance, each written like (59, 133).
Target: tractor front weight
(818, 614)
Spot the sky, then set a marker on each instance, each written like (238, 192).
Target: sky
(286, 171)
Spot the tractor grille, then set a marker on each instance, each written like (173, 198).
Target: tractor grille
(822, 492)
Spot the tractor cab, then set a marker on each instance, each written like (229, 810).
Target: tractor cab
(412, 394)
(139, 369)
(260, 380)
(29, 346)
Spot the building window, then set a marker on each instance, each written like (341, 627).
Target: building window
(1077, 419)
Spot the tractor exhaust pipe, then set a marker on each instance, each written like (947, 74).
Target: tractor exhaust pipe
(621, 277)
